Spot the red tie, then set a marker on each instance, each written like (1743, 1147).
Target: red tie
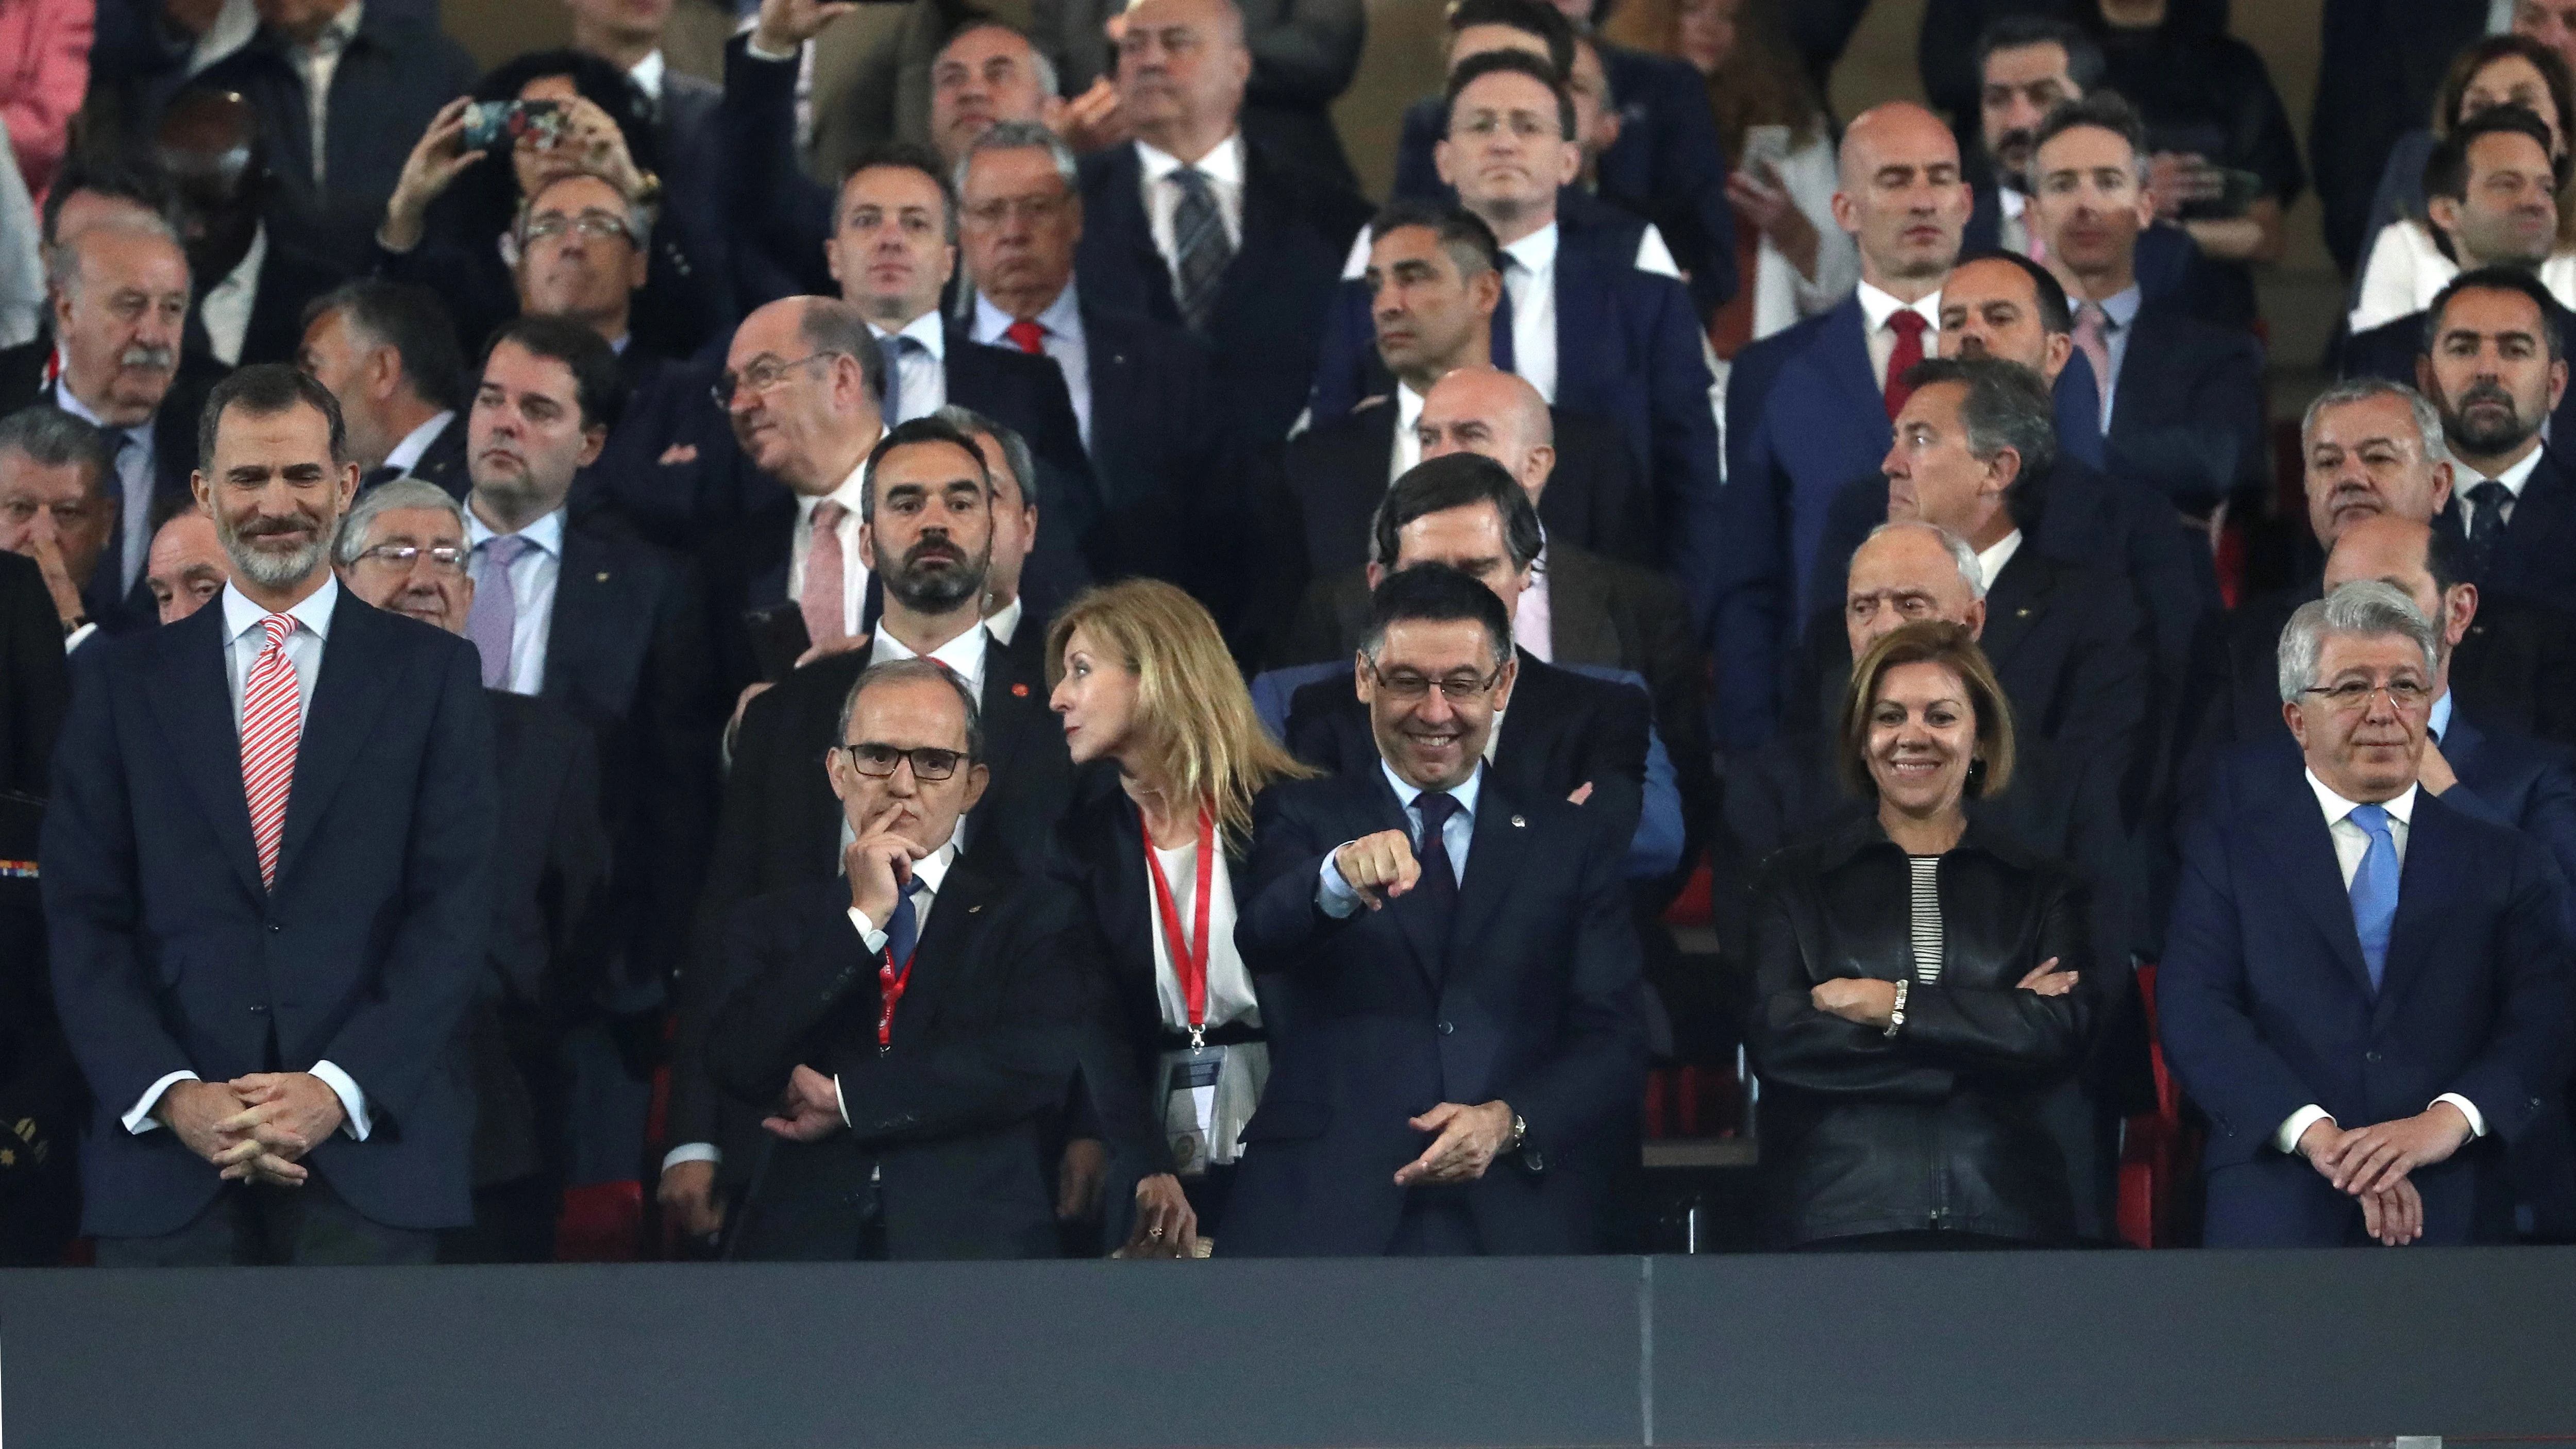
(821, 602)
(270, 723)
(1027, 336)
(1908, 326)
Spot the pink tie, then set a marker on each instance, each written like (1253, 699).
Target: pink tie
(821, 602)
(2092, 338)
(270, 723)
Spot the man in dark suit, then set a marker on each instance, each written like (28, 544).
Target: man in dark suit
(779, 827)
(124, 370)
(946, 1075)
(2364, 988)
(265, 1000)
(1460, 1043)
(252, 283)
(1198, 224)
(387, 71)
(58, 506)
(684, 113)
(404, 550)
(388, 352)
(2181, 399)
(2494, 364)
(35, 686)
(1139, 387)
(570, 605)
(1808, 409)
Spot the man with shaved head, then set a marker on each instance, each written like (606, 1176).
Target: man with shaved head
(186, 568)
(1808, 409)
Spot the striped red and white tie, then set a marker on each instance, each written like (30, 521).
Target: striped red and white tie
(271, 720)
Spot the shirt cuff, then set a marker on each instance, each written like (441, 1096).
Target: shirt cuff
(840, 1101)
(873, 938)
(2287, 1139)
(1333, 895)
(691, 1152)
(352, 1100)
(78, 637)
(141, 1120)
(751, 47)
(2468, 1109)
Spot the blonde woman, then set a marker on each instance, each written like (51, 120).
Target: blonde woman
(1142, 680)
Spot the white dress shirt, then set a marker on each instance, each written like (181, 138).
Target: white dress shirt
(1229, 982)
(134, 478)
(1339, 900)
(647, 75)
(1529, 275)
(2012, 221)
(227, 307)
(931, 870)
(1004, 622)
(2405, 269)
(1876, 307)
(1991, 561)
(920, 371)
(2351, 843)
(854, 566)
(2513, 479)
(1222, 166)
(407, 453)
(1062, 339)
(1408, 444)
(964, 655)
(1533, 618)
(532, 584)
(243, 639)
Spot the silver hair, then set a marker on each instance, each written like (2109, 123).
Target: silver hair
(2365, 607)
(64, 273)
(51, 438)
(1971, 572)
(1024, 136)
(2428, 422)
(1021, 464)
(899, 671)
(384, 498)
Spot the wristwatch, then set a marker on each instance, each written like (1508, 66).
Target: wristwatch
(1896, 1013)
(1520, 1133)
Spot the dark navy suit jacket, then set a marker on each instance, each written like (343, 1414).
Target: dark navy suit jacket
(2536, 558)
(2267, 1006)
(1156, 446)
(2165, 259)
(1533, 999)
(2188, 413)
(169, 955)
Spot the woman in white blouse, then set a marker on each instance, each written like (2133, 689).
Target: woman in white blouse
(1144, 683)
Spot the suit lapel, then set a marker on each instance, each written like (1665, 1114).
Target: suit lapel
(197, 720)
(1582, 301)
(581, 611)
(1527, 726)
(1374, 808)
(1494, 853)
(2293, 834)
(2429, 877)
(945, 950)
(1578, 609)
(2016, 595)
(359, 668)
(1842, 354)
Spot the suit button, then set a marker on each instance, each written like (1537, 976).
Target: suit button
(259, 1011)
(274, 928)
(2370, 1056)
(1447, 1029)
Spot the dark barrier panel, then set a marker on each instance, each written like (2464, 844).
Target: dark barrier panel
(2115, 1348)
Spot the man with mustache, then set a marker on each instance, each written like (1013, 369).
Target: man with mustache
(570, 605)
(926, 531)
(120, 304)
(403, 549)
(2494, 363)
(266, 1008)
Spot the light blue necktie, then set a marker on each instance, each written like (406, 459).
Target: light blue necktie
(2374, 889)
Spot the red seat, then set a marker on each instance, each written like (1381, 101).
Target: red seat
(2160, 1161)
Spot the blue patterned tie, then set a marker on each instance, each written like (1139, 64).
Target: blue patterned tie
(903, 933)
(1199, 246)
(2374, 889)
(2486, 524)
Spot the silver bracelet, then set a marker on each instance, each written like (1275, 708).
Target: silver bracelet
(1896, 1013)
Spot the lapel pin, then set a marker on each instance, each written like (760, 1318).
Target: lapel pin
(1019, 691)
(1518, 823)
(2017, 613)
(603, 576)
(970, 910)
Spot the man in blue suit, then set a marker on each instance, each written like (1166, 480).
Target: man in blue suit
(2364, 986)
(265, 882)
(1808, 409)
(1460, 1045)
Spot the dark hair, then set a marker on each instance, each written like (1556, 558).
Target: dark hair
(1530, 17)
(899, 671)
(595, 382)
(486, 196)
(1461, 233)
(828, 324)
(409, 319)
(2446, 171)
(1514, 62)
(2103, 110)
(1456, 480)
(1436, 594)
(263, 390)
(2446, 558)
(1017, 458)
(2017, 32)
(2007, 406)
(2497, 279)
(52, 438)
(2453, 95)
(904, 156)
(1930, 641)
(2055, 314)
(932, 429)
(124, 179)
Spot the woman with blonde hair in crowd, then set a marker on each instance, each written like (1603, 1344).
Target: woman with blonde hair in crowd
(1143, 681)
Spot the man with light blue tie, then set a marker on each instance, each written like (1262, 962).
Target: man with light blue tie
(2365, 988)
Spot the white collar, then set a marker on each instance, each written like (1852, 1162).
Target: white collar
(2438, 723)
(2010, 202)
(64, 399)
(546, 533)
(964, 655)
(1408, 407)
(1223, 164)
(1004, 622)
(407, 453)
(1537, 251)
(932, 869)
(1991, 561)
(647, 76)
(929, 329)
(1464, 794)
(2401, 809)
(2512, 478)
(1060, 318)
(314, 613)
(1877, 306)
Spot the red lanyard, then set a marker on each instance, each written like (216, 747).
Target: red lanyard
(1189, 953)
(890, 988)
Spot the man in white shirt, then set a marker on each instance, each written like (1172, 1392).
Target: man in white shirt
(387, 351)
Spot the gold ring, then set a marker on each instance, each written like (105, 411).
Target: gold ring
(1158, 1232)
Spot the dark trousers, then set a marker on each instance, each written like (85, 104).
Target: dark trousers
(252, 1225)
(514, 1222)
(1437, 1223)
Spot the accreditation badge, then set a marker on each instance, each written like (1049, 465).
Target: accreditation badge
(1189, 1105)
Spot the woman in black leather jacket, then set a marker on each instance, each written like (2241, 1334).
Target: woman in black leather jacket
(1921, 982)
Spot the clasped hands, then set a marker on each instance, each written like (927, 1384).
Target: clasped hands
(2372, 1164)
(1868, 1001)
(255, 1128)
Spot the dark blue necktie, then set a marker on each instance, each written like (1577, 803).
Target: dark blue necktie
(2374, 889)
(1438, 887)
(2486, 524)
(903, 933)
